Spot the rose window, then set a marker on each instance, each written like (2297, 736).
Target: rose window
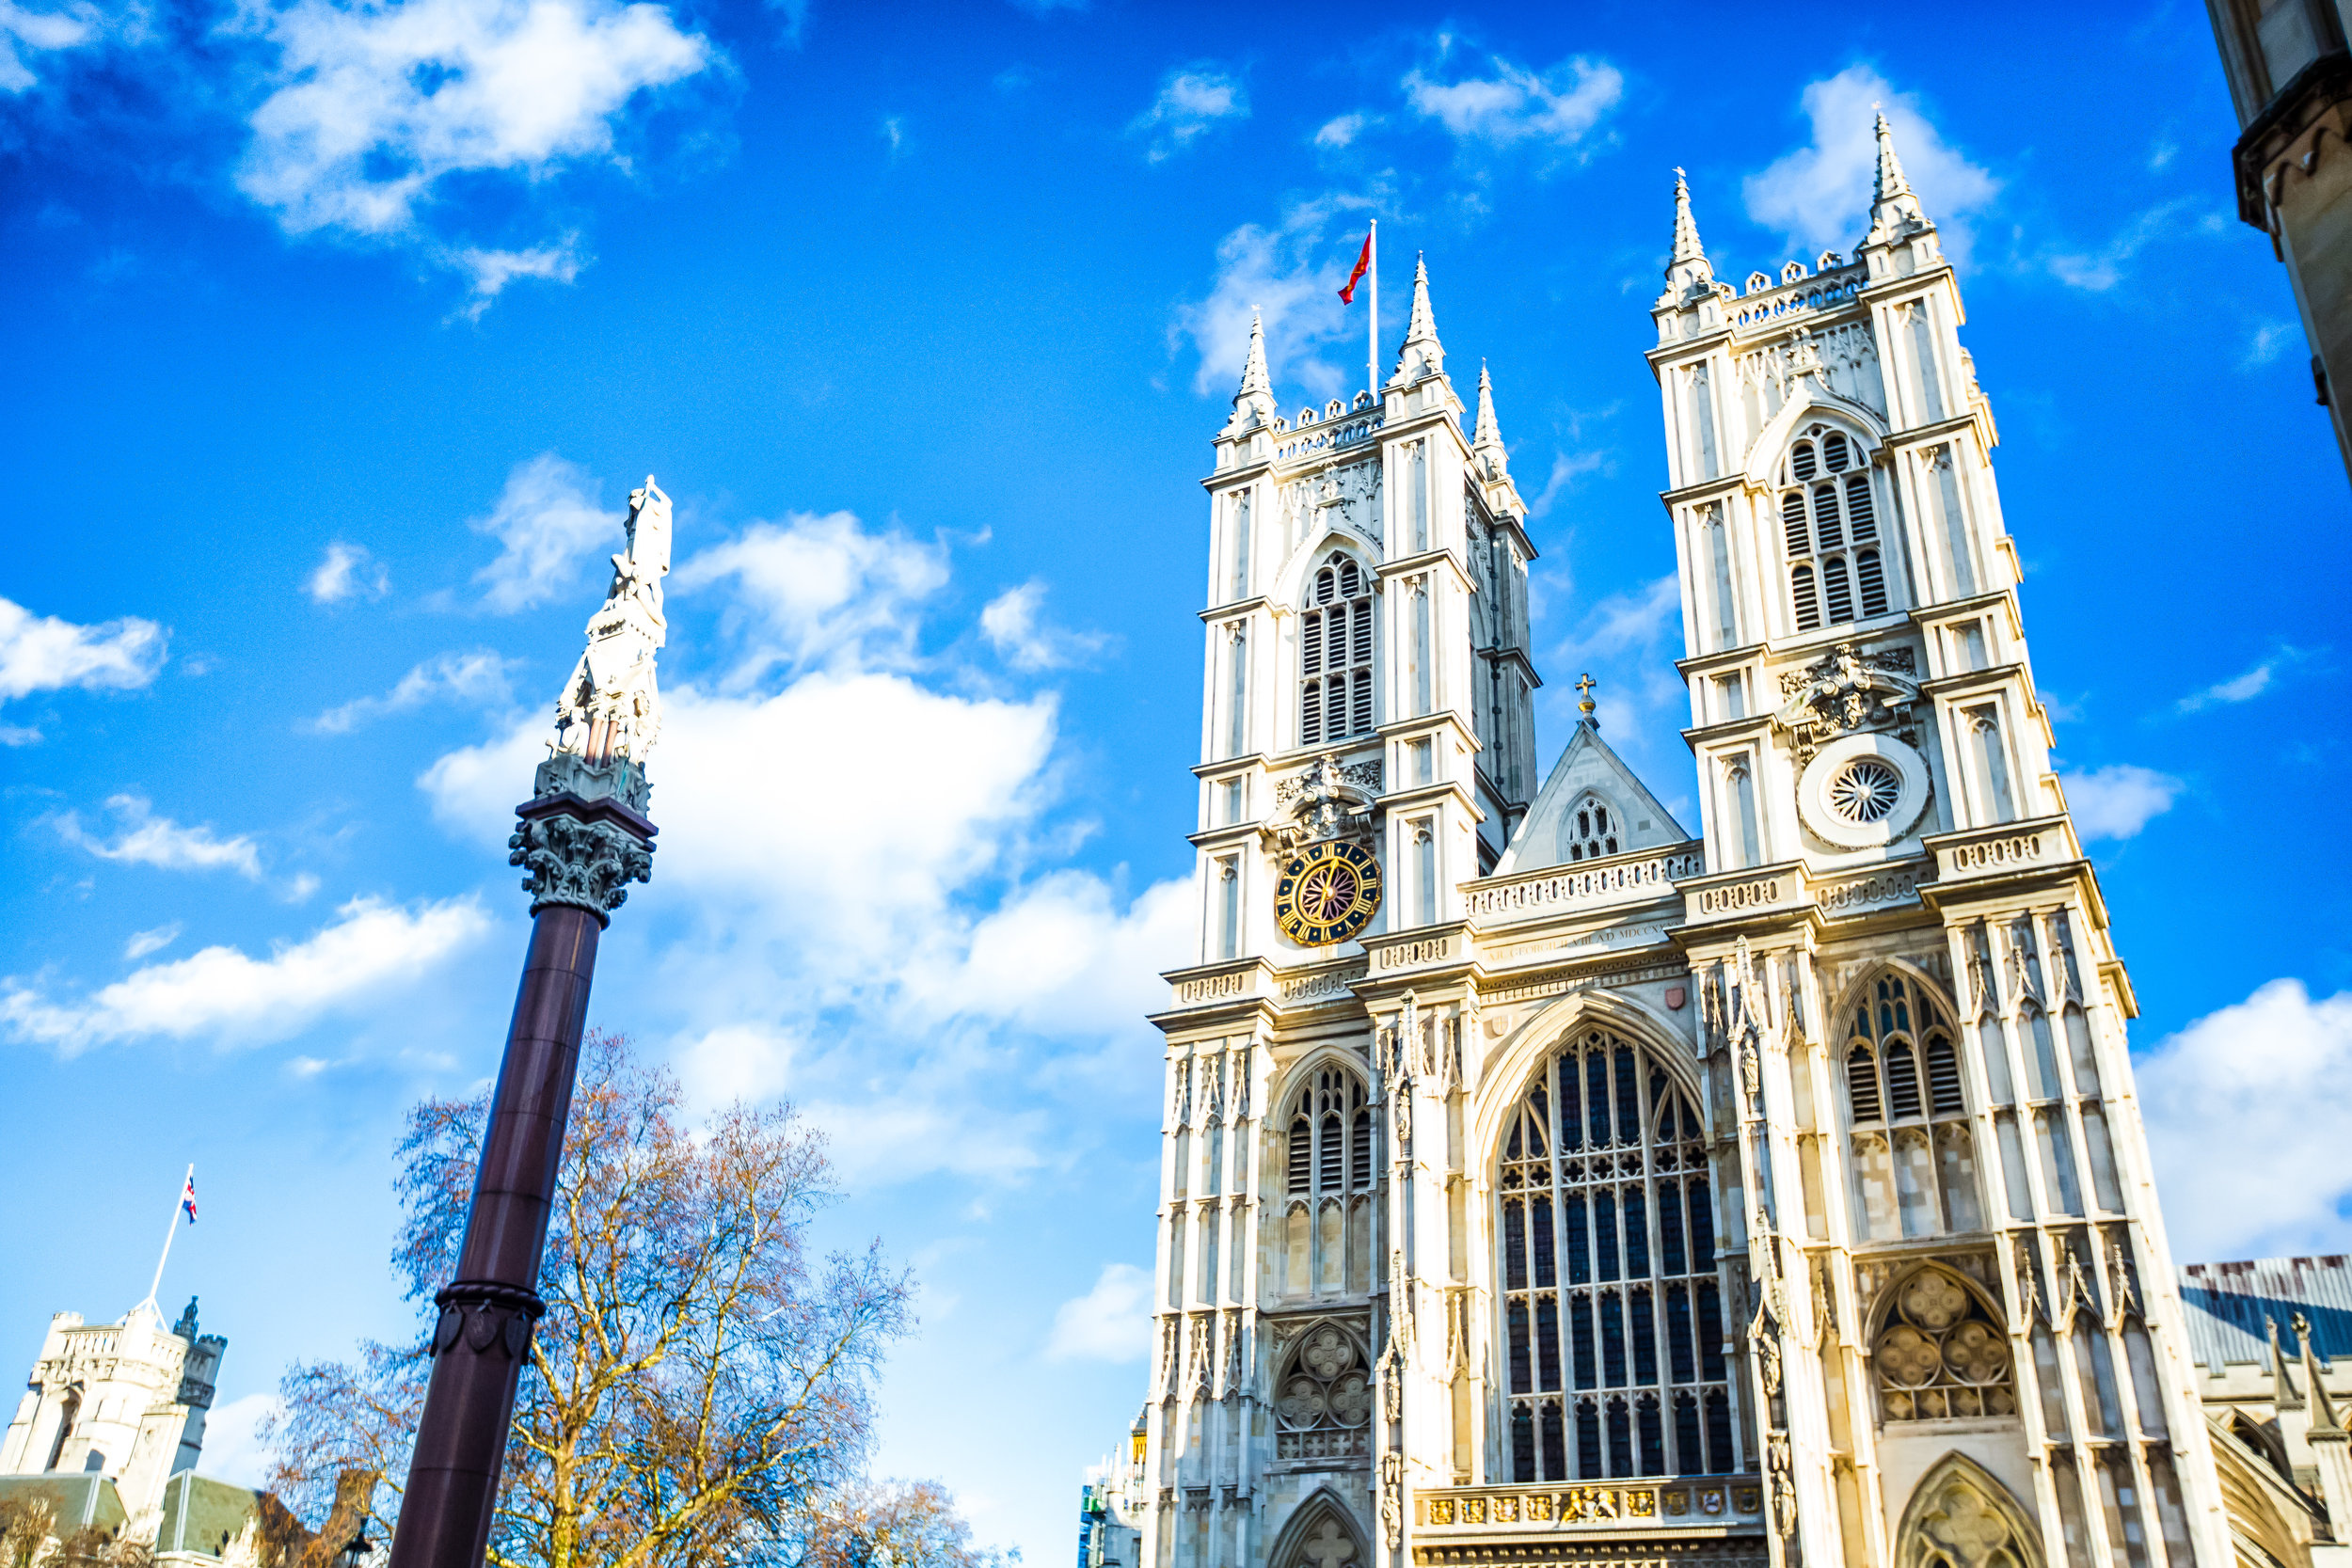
(1865, 790)
(1324, 1399)
(1940, 1353)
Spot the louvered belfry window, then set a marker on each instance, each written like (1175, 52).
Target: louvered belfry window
(1912, 1157)
(1335, 654)
(1829, 527)
(1612, 1330)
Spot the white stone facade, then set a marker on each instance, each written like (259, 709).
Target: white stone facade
(125, 1401)
(1776, 1194)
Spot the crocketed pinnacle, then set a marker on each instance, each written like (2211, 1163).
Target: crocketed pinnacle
(1487, 433)
(1421, 354)
(1891, 182)
(1686, 246)
(1256, 396)
(1895, 210)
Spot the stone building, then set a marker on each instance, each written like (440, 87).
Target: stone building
(1548, 1180)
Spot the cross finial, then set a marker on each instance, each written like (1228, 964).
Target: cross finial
(1584, 684)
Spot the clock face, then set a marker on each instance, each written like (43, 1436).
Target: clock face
(1327, 893)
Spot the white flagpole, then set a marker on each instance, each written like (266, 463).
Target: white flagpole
(178, 1199)
(1371, 354)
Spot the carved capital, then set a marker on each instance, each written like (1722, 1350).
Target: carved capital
(579, 852)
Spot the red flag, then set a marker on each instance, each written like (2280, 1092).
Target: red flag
(1363, 265)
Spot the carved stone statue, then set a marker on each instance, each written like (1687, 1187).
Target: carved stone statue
(611, 709)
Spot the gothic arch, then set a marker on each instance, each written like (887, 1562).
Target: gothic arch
(1521, 1055)
(1315, 1530)
(1869, 975)
(1322, 1182)
(1939, 1349)
(1322, 1380)
(1295, 579)
(1959, 1516)
(1764, 453)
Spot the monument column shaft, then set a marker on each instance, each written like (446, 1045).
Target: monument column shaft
(480, 1343)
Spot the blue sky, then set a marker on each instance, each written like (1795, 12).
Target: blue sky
(342, 332)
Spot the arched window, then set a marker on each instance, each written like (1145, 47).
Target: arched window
(1613, 1313)
(1590, 829)
(1323, 1399)
(1829, 526)
(1335, 654)
(1331, 1181)
(1914, 1169)
(1940, 1353)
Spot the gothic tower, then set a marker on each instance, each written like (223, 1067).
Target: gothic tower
(1542, 1183)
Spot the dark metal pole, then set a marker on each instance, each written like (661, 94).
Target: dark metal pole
(581, 852)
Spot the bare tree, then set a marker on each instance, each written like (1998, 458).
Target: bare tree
(700, 1390)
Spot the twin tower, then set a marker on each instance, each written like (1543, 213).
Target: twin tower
(1546, 1182)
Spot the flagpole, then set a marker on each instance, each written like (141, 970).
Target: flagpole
(178, 1200)
(1371, 354)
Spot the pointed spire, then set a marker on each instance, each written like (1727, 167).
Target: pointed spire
(1894, 208)
(2283, 1392)
(2324, 1415)
(1254, 402)
(1486, 435)
(1421, 354)
(1687, 270)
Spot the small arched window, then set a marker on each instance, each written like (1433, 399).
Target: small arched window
(1335, 654)
(1913, 1159)
(1829, 527)
(1591, 830)
(1330, 1180)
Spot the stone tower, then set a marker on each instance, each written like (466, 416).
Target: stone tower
(1544, 1183)
(125, 1401)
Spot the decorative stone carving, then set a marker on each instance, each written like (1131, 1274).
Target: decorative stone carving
(1845, 692)
(610, 708)
(588, 863)
(1327, 801)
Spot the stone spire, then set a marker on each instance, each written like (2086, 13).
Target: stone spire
(2283, 1392)
(1488, 457)
(2322, 1405)
(1421, 354)
(1687, 271)
(1254, 403)
(1894, 210)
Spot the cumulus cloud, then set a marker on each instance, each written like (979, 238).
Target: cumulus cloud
(42, 652)
(225, 993)
(476, 679)
(233, 1450)
(823, 591)
(1110, 1323)
(346, 572)
(1818, 196)
(25, 33)
(1290, 274)
(1190, 104)
(146, 839)
(2119, 799)
(2270, 1080)
(1513, 106)
(374, 105)
(1015, 626)
(546, 522)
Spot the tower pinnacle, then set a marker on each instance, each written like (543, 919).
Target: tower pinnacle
(1254, 402)
(1688, 268)
(1893, 209)
(1421, 354)
(1488, 435)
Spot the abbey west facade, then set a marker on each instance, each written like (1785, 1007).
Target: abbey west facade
(1545, 1181)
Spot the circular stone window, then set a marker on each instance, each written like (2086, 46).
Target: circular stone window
(1862, 791)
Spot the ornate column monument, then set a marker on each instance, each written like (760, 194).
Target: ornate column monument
(582, 838)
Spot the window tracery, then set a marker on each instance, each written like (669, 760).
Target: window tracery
(1829, 527)
(1335, 653)
(1323, 1399)
(1941, 1354)
(1914, 1158)
(1589, 829)
(1331, 1179)
(1613, 1314)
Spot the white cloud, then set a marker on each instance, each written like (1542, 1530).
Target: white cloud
(490, 271)
(1342, 131)
(233, 1450)
(346, 572)
(546, 521)
(1062, 955)
(1016, 628)
(1190, 103)
(2241, 687)
(1567, 468)
(2119, 799)
(2098, 271)
(27, 32)
(476, 679)
(1556, 107)
(146, 839)
(375, 103)
(1110, 1323)
(1291, 274)
(42, 652)
(2269, 1081)
(144, 943)
(822, 590)
(2267, 342)
(370, 948)
(1818, 196)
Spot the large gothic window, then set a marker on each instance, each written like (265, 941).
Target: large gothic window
(1829, 524)
(1331, 1183)
(1612, 1316)
(1323, 1399)
(1335, 654)
(1915, 1164)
